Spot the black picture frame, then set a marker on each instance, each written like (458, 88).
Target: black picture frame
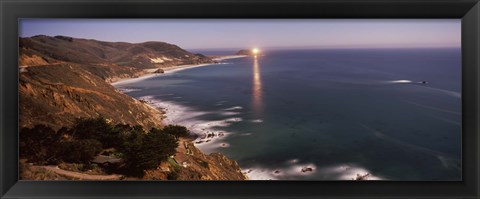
(11, 11)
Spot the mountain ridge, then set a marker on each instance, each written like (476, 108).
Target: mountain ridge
(122, 58)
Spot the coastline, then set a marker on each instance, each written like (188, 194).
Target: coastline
(208, 139)
(151, 72)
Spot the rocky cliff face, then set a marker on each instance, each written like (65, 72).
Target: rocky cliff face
(195, 165)
(56, 95)
(215, 166)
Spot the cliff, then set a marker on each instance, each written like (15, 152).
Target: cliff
(56, 95)
(195, 165)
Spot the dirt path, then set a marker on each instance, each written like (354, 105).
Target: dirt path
(80, 176)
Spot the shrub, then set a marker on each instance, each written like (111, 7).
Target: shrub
(173, 174)
(204, 164)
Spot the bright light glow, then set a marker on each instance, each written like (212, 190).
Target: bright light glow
(255, 51)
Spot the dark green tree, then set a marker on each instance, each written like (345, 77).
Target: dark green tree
(85, 139)
(91, 128)
(176, 130)
(40, 144)
(146, 151)
(81, 151)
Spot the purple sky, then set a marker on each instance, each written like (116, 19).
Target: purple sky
(262, 33)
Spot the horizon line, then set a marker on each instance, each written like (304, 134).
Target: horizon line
(269, 47)
(324, 47)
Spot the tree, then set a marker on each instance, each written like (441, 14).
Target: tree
(78, 144)
(91, 128)
(40, 144)
(176, 130)
(84, 140)
(164, 145)
(147, 151)
(81, 151)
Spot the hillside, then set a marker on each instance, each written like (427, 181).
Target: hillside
(107, 60)
(57, 94)
(62, 79)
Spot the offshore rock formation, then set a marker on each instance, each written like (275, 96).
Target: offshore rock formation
(244, 52)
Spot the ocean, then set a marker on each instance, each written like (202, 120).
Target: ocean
(322, 114)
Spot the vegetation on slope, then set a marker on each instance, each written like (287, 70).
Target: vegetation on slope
(140, 150)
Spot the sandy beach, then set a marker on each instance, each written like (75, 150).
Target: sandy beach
(220, 58)
(151, 72)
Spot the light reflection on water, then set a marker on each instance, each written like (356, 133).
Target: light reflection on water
(257, 88)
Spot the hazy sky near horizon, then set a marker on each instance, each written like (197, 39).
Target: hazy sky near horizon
(262, 33)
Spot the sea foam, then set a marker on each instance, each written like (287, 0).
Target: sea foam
(402, 81)
(209, 137)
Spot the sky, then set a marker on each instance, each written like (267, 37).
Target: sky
(261, 33)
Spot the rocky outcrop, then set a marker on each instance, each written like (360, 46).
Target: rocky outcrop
(244, 52)
(215, 166)
(195, 165)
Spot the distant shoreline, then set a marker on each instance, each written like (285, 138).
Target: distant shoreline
(151, 72)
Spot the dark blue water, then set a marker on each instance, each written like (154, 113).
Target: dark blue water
(339, 112)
